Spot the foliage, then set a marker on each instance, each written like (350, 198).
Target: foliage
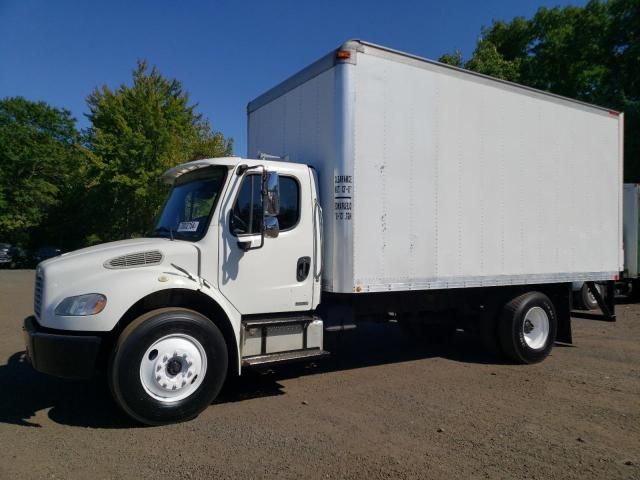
(137, 132)
(486, 59)
(590, 53)
(40, 158)
(62, 187)
(455, 59)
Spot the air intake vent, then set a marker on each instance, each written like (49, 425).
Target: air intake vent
(140, 259)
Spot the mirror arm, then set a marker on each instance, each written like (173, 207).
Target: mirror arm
(244, 167)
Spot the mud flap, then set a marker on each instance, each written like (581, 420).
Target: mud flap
(562, 302)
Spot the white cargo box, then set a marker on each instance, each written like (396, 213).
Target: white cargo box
(435, 177)
(631, 220)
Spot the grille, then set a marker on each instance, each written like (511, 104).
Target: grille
(37, 294)
(140, 259)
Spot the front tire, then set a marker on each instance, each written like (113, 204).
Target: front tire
(527, 328)
(168, 366)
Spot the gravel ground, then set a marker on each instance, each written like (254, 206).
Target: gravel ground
(380, 407)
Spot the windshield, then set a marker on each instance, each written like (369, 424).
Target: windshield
(192, 199)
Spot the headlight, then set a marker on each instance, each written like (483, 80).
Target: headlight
(88, 304)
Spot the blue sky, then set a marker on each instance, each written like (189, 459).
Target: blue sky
(225, 53)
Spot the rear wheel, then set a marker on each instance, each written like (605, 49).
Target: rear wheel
(527, 327)
(167, 366)
(585, 298)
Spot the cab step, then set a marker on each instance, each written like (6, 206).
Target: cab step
(284, 357)
(281, 338)
(283, 319)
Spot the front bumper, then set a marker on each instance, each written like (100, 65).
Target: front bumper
(58, 353)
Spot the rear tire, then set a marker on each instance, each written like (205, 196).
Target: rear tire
(527, 328)
(586, 300)
(168, 366)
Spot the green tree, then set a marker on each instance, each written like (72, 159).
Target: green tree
(136, 133)
(488, 60)
(590, 53)
(454, 59)
(40, 160)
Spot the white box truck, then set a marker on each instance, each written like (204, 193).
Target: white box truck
(628, 284)
(631, 240)
(400, 187)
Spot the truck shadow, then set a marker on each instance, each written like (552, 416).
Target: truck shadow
(367, 346)
(30, 399)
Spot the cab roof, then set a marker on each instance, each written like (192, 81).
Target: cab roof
(172, 174)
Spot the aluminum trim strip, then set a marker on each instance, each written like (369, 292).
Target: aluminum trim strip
(482, 281)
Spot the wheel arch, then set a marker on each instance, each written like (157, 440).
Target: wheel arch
(181, 298)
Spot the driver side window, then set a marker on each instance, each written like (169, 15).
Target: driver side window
(246, 217)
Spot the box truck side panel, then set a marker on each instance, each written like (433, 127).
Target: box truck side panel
(433, 177)
(301, 124)
(464, 181)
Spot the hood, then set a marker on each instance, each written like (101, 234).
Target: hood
(115, 248)
(118, 270)
(121, 255)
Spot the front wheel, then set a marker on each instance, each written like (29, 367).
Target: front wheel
(167, 366)
(527, 327)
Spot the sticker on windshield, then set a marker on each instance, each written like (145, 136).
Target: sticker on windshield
(188, 226)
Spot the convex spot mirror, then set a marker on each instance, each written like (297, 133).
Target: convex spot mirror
(270, 194)
(271, 227)
(270, 204)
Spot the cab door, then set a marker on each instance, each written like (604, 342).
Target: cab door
(268, 275)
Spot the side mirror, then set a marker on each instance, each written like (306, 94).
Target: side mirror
(271, 227)
(270, 194)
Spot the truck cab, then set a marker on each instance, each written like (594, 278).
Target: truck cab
(227, 276)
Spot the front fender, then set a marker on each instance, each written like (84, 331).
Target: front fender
(123, 288)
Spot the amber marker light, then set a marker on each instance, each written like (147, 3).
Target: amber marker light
(343, 54)
(99, 305)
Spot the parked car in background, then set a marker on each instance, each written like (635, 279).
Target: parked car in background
(44, 253)
(12, 256)
(19, 257)
(5, 256)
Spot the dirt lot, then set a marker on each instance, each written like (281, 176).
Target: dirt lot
(384, 408)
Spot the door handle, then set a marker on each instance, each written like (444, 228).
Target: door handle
(302, 269)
